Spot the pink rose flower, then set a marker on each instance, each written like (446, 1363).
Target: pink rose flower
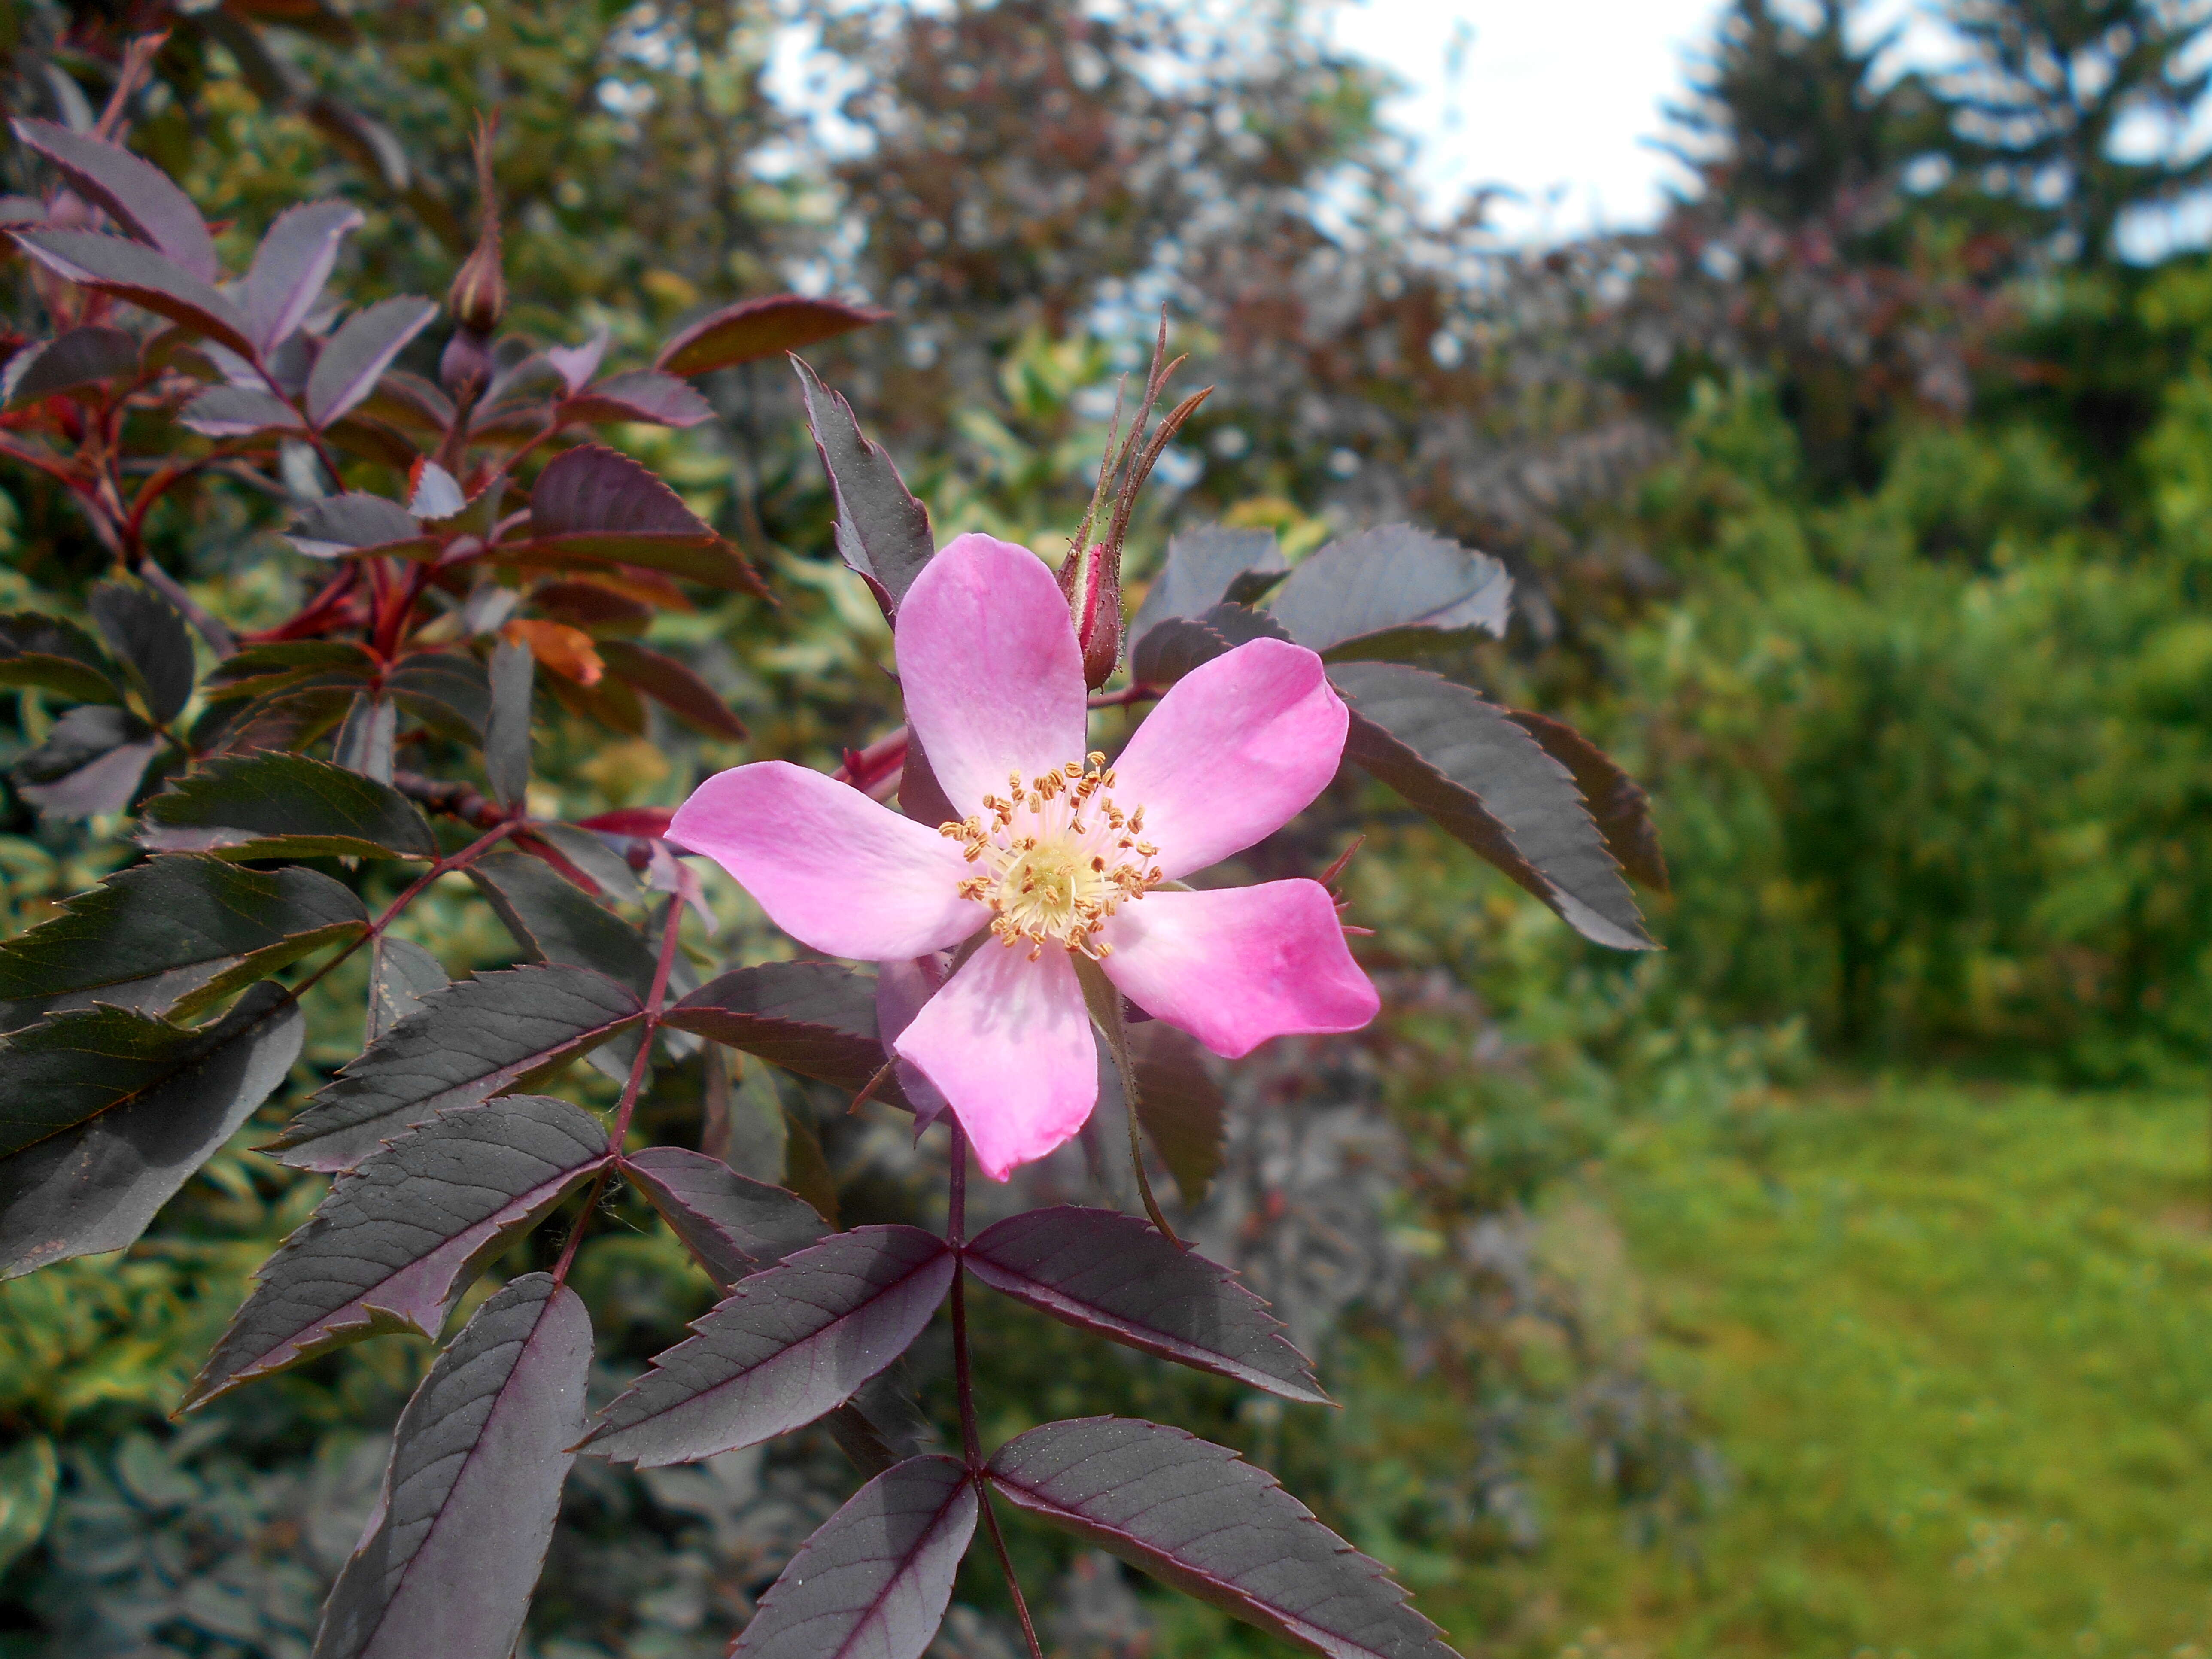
(1059, 852)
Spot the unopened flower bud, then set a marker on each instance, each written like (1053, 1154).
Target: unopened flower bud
(477, 298)
(465, 369)
(1091, 580)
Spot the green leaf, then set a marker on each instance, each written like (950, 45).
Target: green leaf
(176, 935)
(105, 1113)
(30, 1475)
(279, 806)
(475, 1039)
(1484, 780)
(395, 1243)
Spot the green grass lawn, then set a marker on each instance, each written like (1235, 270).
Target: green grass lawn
(1954, 1344)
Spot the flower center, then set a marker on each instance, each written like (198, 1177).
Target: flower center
(1057, 857)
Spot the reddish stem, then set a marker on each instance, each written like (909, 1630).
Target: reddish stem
(1123, 698)
(392, 622)
(671, 926)
(460, 860)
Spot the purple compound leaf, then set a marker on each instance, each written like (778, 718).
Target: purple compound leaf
(105, 1113)
(1470, 766)
(355, 357)
(553, 920)
(882, 532)
(642, 394)
(291, 265)
(1179, 1104)
(151, 638)
(56, 656)
(787, 1347)
(595, 507)
(874, 1580)
(173, 937)
(395, 1243)
(1197, 1516)
(135, 193)
(673, 686)
(239, 411)
(359, 522)
(463, 1045)
(1102, 1271)
(131, 271)
(733, 1226)
(1617, 801)
(279, 806)
(1202, 566)
(401, 973)
(1376, 592)
(460, 1531)
(81, 357)
(753, 329)
(92, 762)
(816, 1018)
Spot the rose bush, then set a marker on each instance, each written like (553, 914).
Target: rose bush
(294, 790)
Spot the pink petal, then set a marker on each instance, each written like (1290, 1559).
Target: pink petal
(1235, 751)
(832, 868)
(988, 659)
(1010, 1044)
(1237, 965)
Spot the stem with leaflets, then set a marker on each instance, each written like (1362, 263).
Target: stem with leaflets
(971, 1443)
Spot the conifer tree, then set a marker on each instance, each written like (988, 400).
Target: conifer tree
(2053, 98)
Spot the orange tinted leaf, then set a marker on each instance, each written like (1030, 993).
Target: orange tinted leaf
(566, 651)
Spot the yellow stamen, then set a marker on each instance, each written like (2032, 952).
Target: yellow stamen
(1050, 874)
